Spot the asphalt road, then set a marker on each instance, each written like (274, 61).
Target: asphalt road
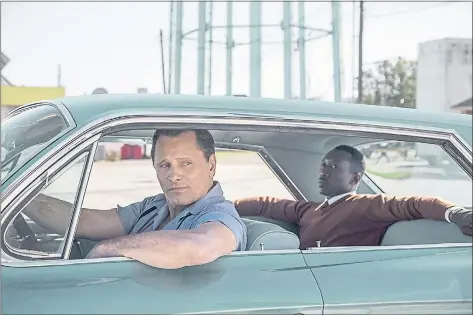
(125, 182)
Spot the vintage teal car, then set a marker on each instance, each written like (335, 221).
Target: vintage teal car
(66, 148)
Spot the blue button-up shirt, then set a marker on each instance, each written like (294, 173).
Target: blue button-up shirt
(148, 214)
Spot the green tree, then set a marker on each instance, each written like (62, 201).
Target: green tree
(391, 83)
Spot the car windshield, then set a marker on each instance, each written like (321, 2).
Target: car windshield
(25, 133)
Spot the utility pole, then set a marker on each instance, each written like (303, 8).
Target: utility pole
(171, 19)
(228, 71)
(162, 60)
(255, 48)
(360, 57)
(302, 93)
(178, 48)
(59, 75)
(209, 87)
(336, 17)
(286, 26)
(201, 49)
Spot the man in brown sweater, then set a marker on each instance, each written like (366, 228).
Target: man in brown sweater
(346, 218)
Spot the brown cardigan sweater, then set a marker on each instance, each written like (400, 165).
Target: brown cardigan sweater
(354, 220)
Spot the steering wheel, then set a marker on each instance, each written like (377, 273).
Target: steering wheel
(29, 240)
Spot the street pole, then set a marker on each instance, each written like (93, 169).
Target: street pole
(162, 60)
(229, 48)
(286, 26)
(302, 74)
(360, 57)
(171, 19)
(255, 48)
(336, 50)
(178, 48)
(209, 88)
(201, 49)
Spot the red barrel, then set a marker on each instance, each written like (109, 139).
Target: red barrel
(126, 152)
(137, 152)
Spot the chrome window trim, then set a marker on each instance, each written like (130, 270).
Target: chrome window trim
(70, 123)
(93, 131)
(60, 107)
(44, 183)
(431, 135)
(78, 202)
(320, 250)
(40, 179)
(270, 162)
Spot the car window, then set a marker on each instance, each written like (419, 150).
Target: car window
(64, 187)
(123, 173)
(414, 168)
(26, 133)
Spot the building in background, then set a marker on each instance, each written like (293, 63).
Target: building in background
(14, 96)
(465, 107)
(444, 75)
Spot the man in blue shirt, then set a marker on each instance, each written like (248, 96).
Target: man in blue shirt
(190, 223)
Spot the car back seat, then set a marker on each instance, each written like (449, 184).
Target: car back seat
(269, 236)
(423, 231)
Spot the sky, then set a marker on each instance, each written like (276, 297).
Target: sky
(116, 45)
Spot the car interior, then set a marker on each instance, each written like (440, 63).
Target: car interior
(298, 155)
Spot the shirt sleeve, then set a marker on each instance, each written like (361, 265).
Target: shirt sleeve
(129, 214)
(230, 219)
(274, 208)
(385, 208)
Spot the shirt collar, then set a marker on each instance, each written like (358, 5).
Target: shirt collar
(336, 198)
(214, 195)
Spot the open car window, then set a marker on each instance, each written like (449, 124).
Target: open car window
(417, 169)
(25, 133)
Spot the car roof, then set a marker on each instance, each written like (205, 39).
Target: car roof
(87, 108)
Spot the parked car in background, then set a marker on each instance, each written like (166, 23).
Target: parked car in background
(269, 147)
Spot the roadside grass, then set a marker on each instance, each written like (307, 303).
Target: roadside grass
(391, 175)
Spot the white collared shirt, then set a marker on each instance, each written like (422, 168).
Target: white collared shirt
(336, 198)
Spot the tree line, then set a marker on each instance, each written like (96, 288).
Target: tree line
(390, 83)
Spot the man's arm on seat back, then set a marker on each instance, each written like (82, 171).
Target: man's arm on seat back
(273, 208)
(391, 208)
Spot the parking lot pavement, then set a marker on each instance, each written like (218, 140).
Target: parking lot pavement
(125, 182)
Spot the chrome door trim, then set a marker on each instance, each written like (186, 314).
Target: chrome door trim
(44, 181)
(404, 307)
(431, 135)
(15, 263)
(39, 179)
(79, 200)
(270, 162)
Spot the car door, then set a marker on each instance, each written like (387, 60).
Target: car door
(279, 283)
(430, 279)
(46, 283)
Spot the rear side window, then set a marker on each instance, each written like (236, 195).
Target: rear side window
(26, 133)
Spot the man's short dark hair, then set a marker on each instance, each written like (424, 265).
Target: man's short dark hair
(357, 161)
(204, 139)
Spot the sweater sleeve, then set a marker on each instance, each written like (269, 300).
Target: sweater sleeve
(273, 208)
(385, 208)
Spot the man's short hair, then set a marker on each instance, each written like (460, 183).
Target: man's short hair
(204, 139)
(357, 161)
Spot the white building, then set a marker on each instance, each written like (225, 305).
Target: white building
(444, 74)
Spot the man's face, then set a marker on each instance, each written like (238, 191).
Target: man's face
(183, 172)
(335, 174)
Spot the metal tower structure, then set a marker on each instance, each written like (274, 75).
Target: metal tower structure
(205, 28)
